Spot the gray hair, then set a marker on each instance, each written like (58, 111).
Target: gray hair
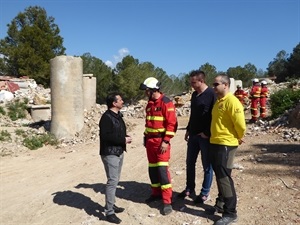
(224, 79)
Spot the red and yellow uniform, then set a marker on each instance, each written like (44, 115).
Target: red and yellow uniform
(263, 101)
(241, 95)
(161, 125)
(255, 98)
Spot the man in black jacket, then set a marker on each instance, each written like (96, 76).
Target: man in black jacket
(113, 140)
(197, 136)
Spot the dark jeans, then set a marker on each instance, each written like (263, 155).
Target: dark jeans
(198, 144)
(222, 161)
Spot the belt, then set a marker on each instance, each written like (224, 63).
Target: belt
(155, 135)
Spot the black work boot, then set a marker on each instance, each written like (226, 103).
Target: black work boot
(167, 209)
(118, 209)
(113, 219)
(226, 220)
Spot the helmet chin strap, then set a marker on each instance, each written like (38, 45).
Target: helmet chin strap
(151, 93)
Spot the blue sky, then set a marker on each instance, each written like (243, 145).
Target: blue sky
(175, 35)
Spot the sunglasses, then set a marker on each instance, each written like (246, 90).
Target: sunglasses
(216, 84)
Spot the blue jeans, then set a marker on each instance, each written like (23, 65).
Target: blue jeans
(113, 166)
(198, 144)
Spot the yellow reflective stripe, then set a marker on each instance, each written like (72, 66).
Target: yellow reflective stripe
(166, 186)
(160, 130)
(155, 185)
(152, 165)
(162, 164)
(170, 133)
(158, 164)
(170, 109)
(156, 118)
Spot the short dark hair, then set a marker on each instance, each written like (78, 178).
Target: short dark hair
(111, 98)
(198, 73)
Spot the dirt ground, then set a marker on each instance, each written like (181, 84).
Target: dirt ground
(66, 185)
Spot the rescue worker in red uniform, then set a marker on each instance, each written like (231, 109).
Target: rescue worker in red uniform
(255, 99)
(263, 99)
(241, 94)
(160, 127)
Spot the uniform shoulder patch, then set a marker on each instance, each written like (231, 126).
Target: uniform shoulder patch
(165, 99)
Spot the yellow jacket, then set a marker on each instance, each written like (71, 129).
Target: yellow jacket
(228, 121)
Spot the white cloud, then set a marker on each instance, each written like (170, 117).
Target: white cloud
(117, 58)
(109, 64)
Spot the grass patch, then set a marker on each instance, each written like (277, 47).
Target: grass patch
(5, 135)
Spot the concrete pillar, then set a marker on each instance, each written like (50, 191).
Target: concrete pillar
(238, 82)
(232, 85)
(89, 91)
(66, 96)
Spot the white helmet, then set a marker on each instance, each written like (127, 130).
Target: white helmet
(150, 83)
(264, 82)
(255, 80)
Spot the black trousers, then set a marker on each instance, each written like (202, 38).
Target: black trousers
(221, 157)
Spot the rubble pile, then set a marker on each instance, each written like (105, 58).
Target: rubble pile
(287, 126)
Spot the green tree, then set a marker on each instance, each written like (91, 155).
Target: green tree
(32, 40)
(181, 83)
(129, 74)
(126, 62)
(245, 74)
(278, 67)
(103, 74)
(210, 72)
(261, 73)
(293, 64)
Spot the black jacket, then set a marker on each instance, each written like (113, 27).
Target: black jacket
(201, 107)
(112, 134)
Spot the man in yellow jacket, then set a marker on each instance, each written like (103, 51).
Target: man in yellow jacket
(228, 127)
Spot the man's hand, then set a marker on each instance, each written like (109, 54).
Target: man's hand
(241, 141)
(203, 135)
(163, 147)
(128, 140)
(186, 136)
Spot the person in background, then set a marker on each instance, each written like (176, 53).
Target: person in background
(197, 135)
(264, 94)
(228, 127)
(113, 140)
(255, 98)
(160, 127)
(241, 94)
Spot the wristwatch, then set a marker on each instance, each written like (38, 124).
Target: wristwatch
(167, 142)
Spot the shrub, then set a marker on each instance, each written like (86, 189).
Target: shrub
(283, 100)
(5, 135)
(32, 142)
(2, 110)
(49, 139)
(16, 110)
(20, 132)
(35, 142)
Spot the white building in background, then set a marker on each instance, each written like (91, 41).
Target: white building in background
(234, 83)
